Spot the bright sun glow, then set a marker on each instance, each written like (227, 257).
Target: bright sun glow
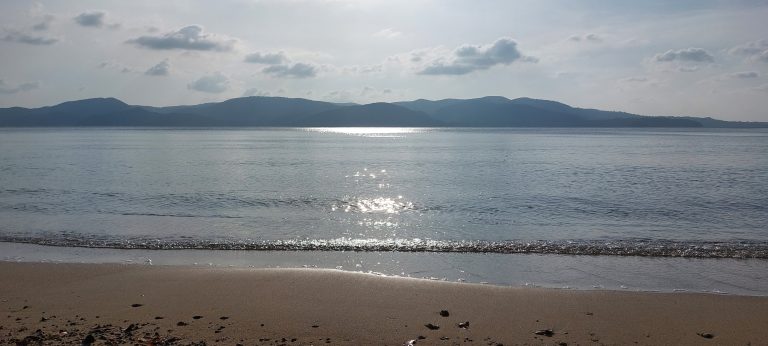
(383, 205)
(385, 132)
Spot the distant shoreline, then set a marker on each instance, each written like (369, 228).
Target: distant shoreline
(489, 111)
(134, 303)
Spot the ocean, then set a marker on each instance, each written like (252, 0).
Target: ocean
(640, 209)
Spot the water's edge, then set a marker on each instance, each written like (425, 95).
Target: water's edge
(747, 277)
(644, 248)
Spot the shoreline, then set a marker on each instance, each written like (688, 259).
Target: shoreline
(130, 303)
(647, 274)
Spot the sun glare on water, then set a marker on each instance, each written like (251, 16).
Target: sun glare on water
(375, 205)
(385, 132)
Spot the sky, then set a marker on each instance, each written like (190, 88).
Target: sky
(684, 57)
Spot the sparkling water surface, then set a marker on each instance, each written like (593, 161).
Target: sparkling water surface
(626, 192)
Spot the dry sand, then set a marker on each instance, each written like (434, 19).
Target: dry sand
(135, 304)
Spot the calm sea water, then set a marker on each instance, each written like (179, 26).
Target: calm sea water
(388, 188)
(615, 192)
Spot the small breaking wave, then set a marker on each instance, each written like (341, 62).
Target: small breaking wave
(181, 215)
(644, 248)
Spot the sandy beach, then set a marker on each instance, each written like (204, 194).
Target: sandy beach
(55, 304)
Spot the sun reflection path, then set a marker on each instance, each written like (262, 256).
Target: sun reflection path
(372, 181)
(382, 132)
(384, 205)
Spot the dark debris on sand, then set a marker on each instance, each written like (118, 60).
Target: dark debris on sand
(106, 334)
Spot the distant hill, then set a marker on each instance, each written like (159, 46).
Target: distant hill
(482, 113)
(427, 106)
(370, 115)
(489, 111)
(497, 111)
(255, 110)
(72, 113)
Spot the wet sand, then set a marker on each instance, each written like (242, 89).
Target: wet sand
(97, 304)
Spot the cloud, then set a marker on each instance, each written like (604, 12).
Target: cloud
(42, 26)
(36, 8)
(7, 89)
(187, 38)
(341, 96)
(22, 37)
(586, 38)
(373, 93)
(256, 92)
(467, 58)
(363, 69)
(281, 66)
(163, 68)
(685, 55)
(756, 50)
(267, 58)
(387, 33)
(45, 24)
(744, 75)
(215, 83)
(112, 65)
(91, 18)
(297, 70)
(439, 69)
(95, 19)
(635, 79)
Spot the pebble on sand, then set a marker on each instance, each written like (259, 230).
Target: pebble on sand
(88, 340)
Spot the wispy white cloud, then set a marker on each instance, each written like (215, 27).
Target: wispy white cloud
(190, 37)
(95, 19)
(266, 58)
(745, 75)
(256, 92)
(685, 55)
(756, 50)
(162, 68)
(470, 58)
(17, 36)
(590, 38)
(297, 70)
(214, 84)
(387, 33)
(19, 88)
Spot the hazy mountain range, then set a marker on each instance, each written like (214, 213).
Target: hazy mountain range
(490, 111)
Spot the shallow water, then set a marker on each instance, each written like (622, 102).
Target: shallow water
(631, 273)
(607, 192)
